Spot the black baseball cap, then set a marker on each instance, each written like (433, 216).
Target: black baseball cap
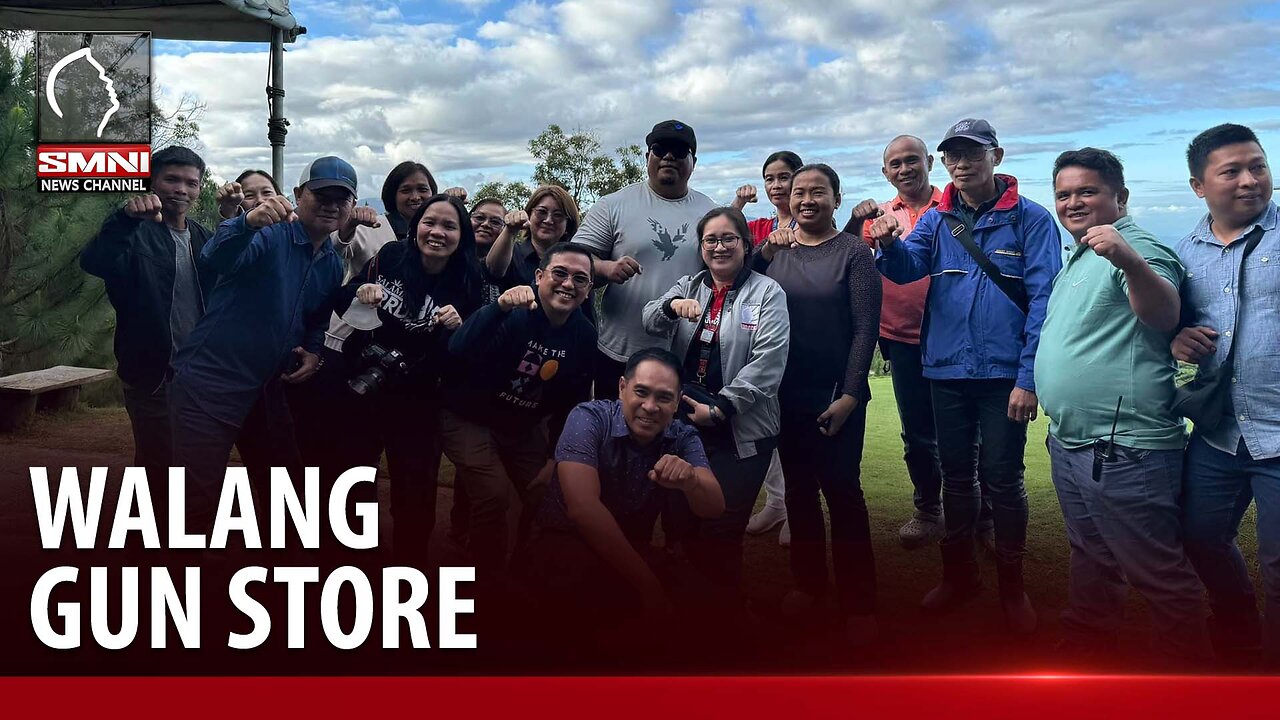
(329, 171)
(672, 131)
(977, 130)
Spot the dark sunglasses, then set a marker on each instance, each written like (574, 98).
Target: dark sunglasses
(675, 150)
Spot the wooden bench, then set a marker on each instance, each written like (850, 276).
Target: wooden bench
(56, 388)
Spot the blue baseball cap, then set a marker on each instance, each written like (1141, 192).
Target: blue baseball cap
(329, 171)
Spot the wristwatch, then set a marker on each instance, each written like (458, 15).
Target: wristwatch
(716, 415)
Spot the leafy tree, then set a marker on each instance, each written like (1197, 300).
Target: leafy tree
(578, 163)
(512, 195)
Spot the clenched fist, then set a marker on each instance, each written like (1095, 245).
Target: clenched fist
(229, 198)
(866, 210)
(457, 192)
(144, 207)
(360, 215)
(625, 268)
(780, 239)
(370, 294)
(688, 309)
(448, 318)
(516, 220)
(672, 472)
(518, 296)
(1107, 242)
(270, 211)
(885, 230)
(745, 194)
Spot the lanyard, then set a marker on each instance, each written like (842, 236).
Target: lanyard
(709, 330)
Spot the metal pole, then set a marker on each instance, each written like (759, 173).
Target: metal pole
(277, 126)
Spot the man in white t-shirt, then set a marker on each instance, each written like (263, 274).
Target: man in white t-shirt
(646, 238)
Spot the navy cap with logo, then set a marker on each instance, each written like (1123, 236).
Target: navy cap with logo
(977, 130)
(672, 131)
(328, 171)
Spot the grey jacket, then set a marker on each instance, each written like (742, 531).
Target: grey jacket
(755, 333)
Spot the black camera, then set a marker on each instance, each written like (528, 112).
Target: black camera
(381, 366)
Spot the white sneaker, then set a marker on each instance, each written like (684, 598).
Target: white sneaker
(784, 537)
(796, 603)
(766, 520)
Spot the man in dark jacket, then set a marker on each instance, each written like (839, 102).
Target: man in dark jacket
(146, 252)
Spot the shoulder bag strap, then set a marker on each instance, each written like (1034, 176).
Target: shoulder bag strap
(1012, 288)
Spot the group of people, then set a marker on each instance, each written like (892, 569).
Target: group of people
(727, 355)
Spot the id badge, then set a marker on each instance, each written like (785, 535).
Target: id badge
(707, 336)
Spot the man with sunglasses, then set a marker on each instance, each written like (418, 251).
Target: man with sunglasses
(1105, 375)
(264, 326)
(522, 360)
(643, 236)
(992, 255)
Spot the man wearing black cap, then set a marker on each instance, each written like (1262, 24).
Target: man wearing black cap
(644, 235)
(992, 255)
(264, 325)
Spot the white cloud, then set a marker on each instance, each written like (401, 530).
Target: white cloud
(831, 80)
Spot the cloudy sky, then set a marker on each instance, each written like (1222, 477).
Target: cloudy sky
(462, 85)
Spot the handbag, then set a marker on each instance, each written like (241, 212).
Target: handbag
(1013, 289)
(1206, 399)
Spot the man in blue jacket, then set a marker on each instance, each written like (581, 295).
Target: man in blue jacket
(979, 337)
(265, 324)
(146, 254)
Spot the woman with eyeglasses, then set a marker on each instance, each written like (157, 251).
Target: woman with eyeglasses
(422, 288)
(776, 172)
(550, 216)
(729, 326)
(833, 300)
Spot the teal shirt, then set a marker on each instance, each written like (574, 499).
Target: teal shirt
(1093, 349)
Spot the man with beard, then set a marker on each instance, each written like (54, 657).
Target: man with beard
(644, 238)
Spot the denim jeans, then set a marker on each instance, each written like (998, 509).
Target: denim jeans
(966, 413)
(1126, 526)
(1217, 489)
(816, 463)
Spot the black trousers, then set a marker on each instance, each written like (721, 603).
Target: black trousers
(714, 546)
(966, 412)
(813, 463)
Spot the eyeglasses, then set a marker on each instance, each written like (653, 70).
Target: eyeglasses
(677, 151)
(729, 241)
(971, 154)
(492, 221)
(542, 213)
(581, 281)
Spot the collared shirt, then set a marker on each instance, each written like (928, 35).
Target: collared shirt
(274, 293)
(1095, 352)
(596, 434)
(1210, 295)
(902, 306)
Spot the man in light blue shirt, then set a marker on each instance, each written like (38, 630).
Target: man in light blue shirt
(1238, 460)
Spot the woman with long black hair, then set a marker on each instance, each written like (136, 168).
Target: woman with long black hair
(423, 288)
(833, 302)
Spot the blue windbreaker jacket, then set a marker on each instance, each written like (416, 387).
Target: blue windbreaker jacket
(971, 329)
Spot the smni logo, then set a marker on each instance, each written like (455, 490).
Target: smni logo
(93, 122)
(666, 242)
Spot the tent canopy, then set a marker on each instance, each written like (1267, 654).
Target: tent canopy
(221, 20)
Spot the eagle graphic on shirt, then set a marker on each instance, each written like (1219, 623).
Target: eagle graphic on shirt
(666, 242)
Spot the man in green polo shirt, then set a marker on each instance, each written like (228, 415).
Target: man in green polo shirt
(1104, 374)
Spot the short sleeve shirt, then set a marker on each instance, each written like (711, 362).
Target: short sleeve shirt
(661, 235)
(596, 434)
(1094, 353)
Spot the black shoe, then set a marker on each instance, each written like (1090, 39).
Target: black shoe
(1019, 614)
(960, 579)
